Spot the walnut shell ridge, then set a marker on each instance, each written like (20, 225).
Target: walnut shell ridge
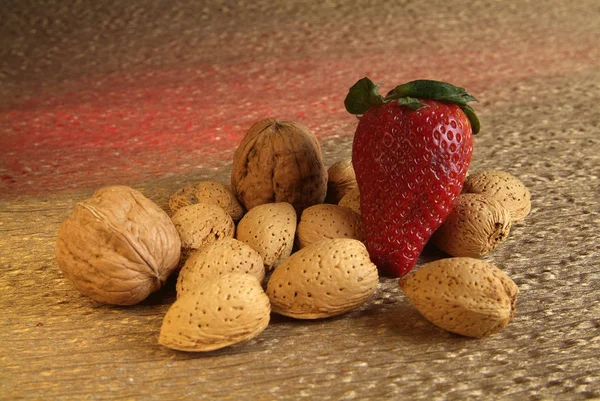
(118, 246)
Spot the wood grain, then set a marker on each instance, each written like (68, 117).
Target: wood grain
(541, 122)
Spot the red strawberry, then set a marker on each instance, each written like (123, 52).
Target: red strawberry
(411, 153)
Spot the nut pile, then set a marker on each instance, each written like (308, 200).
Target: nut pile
(285, 238)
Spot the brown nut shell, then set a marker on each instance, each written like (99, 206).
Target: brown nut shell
(504, 187)
(208, 192)
(325, 221)
(218, 258)
(351, 200)
(466, 296)
(279, 161)
(476, 225)
(118, 246)
(269, 229)
(220, 312)
(340, 180)
(322, 280)
(200, 224)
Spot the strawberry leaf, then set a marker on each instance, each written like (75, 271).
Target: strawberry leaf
(362, 95)
(429, 89)
(470, 113)
(411, 102)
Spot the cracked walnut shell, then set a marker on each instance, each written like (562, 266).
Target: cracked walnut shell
(118, 246)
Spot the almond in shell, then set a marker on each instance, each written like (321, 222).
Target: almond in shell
(341, 179)
(325, 221)
(220, 312)
(218, 258)
(324, 279)
(465, 296)
(200, 224)
(476, 225)
(210, 192)
(351, 200)
(504, 187)
(269, 229)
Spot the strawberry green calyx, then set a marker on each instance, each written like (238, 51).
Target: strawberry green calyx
(364, 94)
(435, 90)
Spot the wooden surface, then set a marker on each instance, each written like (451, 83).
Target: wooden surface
(157, 94)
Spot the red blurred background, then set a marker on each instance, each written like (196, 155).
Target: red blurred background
(101, 91)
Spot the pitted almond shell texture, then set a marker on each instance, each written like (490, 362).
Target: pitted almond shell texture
(218, 258)
(279, 161)
(118, 246)
(220, 312)
(504, 187)
(200, 224)
(270, 230)
(341, 179)
(351, 200)
(476, 225)
(208, 192)
(465, 296)
(326, 221)
(322, 280)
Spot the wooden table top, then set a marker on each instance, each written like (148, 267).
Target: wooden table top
(156, 95)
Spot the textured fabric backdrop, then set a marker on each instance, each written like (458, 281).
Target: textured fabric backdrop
(157, 94)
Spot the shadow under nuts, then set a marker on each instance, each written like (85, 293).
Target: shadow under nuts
(118, 246)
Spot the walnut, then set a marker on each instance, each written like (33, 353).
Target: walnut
(279, 161)
(118, 246)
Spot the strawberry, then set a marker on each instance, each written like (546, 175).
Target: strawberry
(411, 152)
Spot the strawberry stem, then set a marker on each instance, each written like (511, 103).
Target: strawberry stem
(364, 94)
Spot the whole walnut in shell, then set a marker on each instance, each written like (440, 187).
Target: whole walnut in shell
(118, 246)
(279, 161)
